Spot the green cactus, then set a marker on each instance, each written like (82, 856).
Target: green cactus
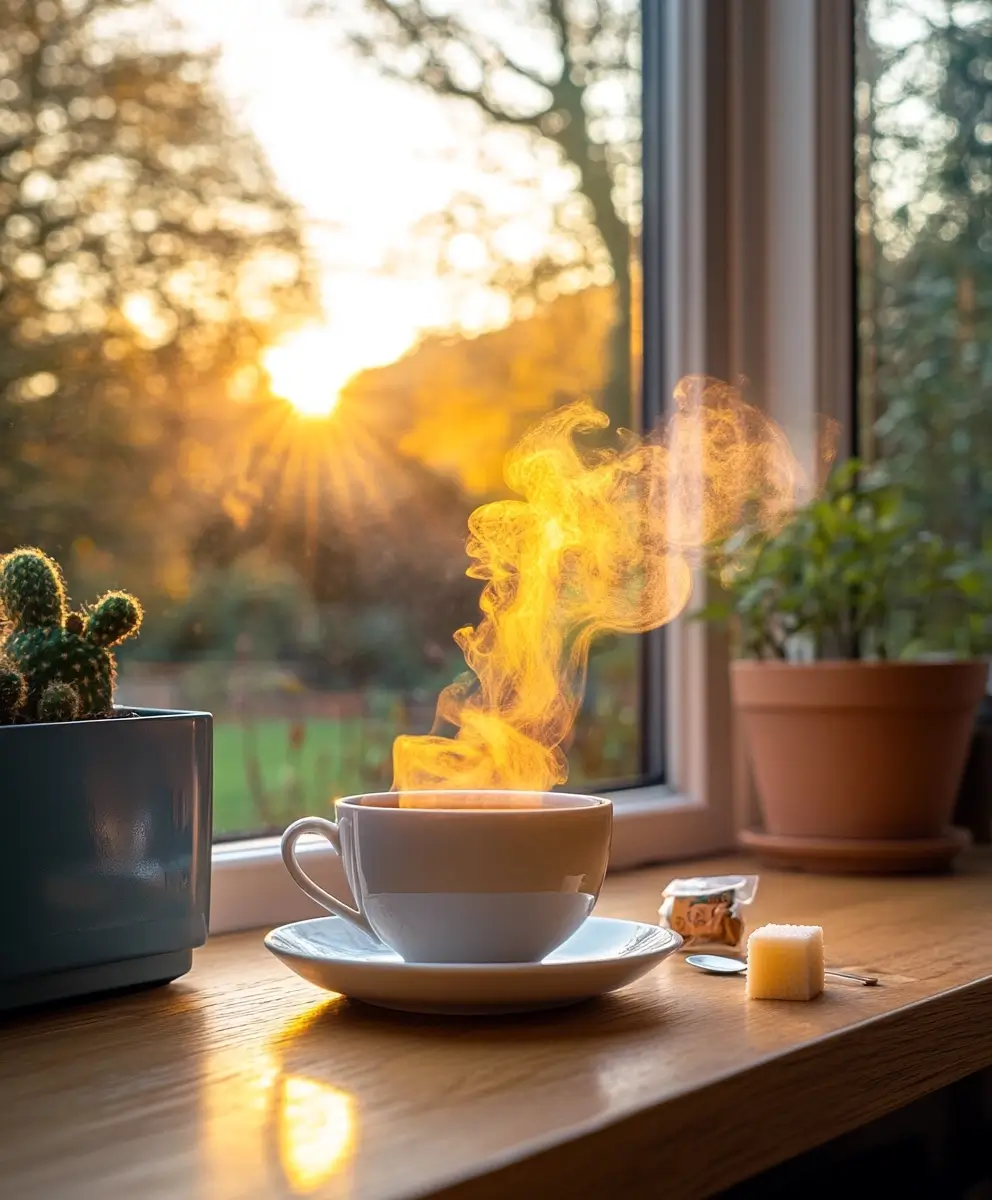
(13, 691)
(31, 589)
(68, 670)
(59, 702)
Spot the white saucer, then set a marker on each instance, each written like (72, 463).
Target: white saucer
(605, 954)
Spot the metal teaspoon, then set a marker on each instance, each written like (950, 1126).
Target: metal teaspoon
(717, 964)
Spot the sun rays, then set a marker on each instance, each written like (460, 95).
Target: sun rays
(311, 479)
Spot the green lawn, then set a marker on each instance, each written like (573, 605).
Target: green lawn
(263, 781)
(271, 771)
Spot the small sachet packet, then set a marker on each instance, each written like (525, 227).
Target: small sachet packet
(707, 911)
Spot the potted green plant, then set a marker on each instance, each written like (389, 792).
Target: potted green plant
(860, 637)
(105, 854)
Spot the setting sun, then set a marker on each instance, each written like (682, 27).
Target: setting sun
(302, 371)
(312, 366)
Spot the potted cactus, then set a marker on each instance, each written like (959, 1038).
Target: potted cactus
(107, 824)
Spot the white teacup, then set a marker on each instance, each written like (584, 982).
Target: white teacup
(470, 877)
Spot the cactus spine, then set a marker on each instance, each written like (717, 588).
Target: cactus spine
(63, 661)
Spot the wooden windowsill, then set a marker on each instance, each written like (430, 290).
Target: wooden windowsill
(243, 1081)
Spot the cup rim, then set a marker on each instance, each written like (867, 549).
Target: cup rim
(579, 801)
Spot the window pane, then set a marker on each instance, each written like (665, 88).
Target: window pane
(277, 296)
(924, 180)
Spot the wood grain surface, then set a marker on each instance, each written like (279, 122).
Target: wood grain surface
(244, 1081)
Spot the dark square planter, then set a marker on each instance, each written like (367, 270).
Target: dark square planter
(105, 837)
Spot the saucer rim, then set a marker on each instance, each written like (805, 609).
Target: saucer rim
(673, 943)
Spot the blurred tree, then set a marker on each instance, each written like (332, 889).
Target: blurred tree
(458, 404)
(146, 254)
(255, 609)
(560, 79)
(924, 184)
(365, 526)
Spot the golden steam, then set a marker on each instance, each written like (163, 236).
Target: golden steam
(601, 541)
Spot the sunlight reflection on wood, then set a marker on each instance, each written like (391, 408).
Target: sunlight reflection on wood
(316, 1131)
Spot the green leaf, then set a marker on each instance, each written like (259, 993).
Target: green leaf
(717, 612)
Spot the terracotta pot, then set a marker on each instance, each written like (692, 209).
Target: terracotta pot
(858, 750)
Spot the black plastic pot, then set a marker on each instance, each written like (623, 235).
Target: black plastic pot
(974, 804)
(105, 837)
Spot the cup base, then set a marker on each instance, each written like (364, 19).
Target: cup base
(476, 927)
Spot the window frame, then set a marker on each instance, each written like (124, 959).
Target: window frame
(748, 251)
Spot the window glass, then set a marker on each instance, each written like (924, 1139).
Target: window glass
(924, 235)
(277, 292)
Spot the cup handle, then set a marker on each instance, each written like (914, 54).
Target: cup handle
(329, 831)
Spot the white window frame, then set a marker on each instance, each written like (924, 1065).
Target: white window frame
(754, 179)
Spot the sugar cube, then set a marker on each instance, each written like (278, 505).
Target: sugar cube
(785, 962)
